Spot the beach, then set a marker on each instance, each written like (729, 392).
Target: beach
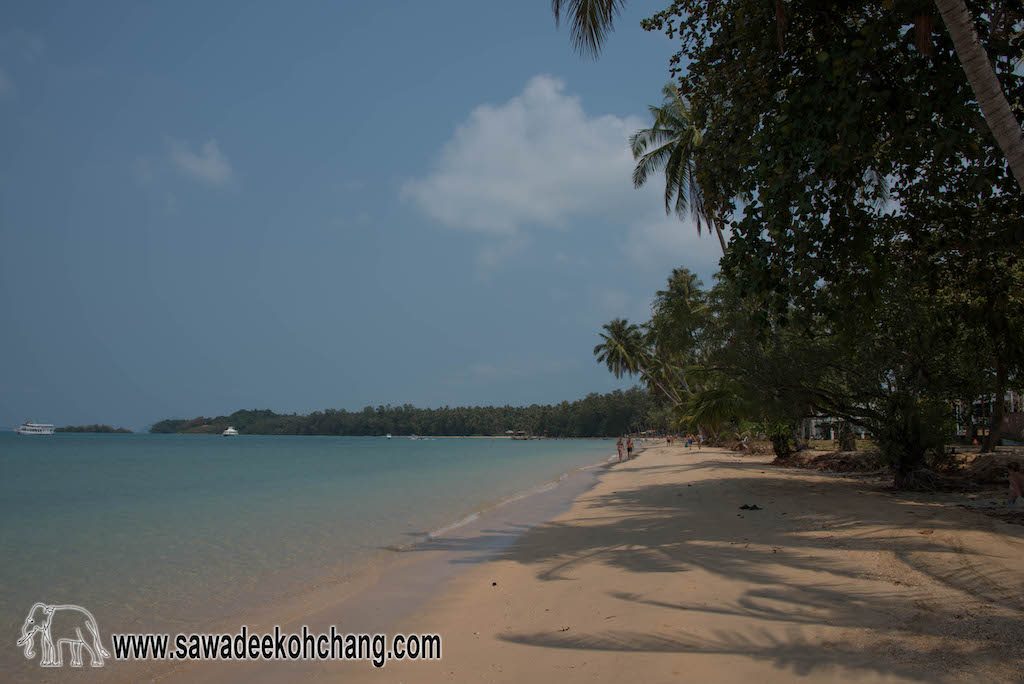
(656, 574)
(652, 570)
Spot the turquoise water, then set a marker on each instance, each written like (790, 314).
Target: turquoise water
(172, 532)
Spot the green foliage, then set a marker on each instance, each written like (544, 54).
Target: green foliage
(909, 430)
(621, 348)
(873, 272)
(95, 428)
(596, 415)
(823, 138)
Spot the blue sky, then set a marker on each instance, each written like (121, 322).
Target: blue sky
(213, 206)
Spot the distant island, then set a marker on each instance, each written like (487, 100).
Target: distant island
(596, 415)
(95, 428)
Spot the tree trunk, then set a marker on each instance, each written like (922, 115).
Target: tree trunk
(799, 443)
(985, 84)
(992, 438)
(781, 446)
(913, 452)
(721, 237)
(847, 440)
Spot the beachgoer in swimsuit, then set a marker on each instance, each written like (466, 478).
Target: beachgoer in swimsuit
(629, 449)
(619, 445)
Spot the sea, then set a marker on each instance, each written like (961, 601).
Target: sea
(180, 532)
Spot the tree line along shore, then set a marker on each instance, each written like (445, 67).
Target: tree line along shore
(596, 415)
(105, 429)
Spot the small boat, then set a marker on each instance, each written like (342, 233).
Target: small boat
(30, 428)
(230, 432)
(389, 435)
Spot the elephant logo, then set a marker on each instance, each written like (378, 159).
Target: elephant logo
(59, 625)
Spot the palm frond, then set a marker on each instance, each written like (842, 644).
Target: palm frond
(590, 22)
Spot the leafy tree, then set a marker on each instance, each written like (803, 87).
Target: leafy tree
(592, 20)
(596, 415)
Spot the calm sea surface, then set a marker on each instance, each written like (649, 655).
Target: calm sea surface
(175, 531)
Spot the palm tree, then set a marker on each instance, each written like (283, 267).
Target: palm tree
(625, 350)
(621, 349)
(676, 315)
(682, 303)
(714, 405)
(670, 145)
(593, 20)
(984, 83)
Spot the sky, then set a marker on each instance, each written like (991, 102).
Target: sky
(213, 206)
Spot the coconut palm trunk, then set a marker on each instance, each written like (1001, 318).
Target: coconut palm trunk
(984, 83)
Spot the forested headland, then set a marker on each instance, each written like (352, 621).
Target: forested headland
(596, 415)
(95, 428)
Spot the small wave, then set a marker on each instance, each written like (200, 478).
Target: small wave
(448, 528)
(518, 496)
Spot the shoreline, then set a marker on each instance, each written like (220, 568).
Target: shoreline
(396, 580)
(656, 573)
(512, 497)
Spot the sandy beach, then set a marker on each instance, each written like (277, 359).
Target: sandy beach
(651, 571)
(656, 574)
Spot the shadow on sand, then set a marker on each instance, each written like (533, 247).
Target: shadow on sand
(942, 603)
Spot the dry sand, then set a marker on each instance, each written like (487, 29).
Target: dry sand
(656, 575)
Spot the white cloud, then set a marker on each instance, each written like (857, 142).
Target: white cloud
(208, 166)
(661, 241)
(537, 160)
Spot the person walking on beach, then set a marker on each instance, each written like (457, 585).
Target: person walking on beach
(629, 449)
(1016, 481)
(619, 445)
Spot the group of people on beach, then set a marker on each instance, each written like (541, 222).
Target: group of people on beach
(628, 447)
(690, 439)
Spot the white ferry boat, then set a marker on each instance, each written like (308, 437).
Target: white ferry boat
(230, 432)
(30, 428)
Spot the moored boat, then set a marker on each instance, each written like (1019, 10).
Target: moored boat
(230, 432)
(30, 428)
